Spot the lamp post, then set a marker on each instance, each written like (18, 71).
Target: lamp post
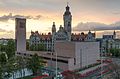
(101, 63)
(51, 53)
(56, 65)
(52, 50)
(80, 58)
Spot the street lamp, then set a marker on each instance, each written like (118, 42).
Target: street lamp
(101, 65)
(51, 53)
(56, 65)
(80, 58)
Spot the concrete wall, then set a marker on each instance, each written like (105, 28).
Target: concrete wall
(63, 66)
(65, 49)
(77, 54)
(86, 53)
(80, 53)
(20, 35)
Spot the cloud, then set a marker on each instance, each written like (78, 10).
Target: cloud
(10, 33)
(6, 34)
(2, 30)
(37, 17)
(10, 16)
(96, 26)
(116, 12)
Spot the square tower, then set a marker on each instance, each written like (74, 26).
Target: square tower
(20, 34)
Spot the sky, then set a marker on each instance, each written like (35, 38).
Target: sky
(102, 16)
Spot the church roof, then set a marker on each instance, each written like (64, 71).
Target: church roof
(42, 36)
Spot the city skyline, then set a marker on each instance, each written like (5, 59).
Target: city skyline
(41, 14)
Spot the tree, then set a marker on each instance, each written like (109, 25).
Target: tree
(115, 68)
(8, 68)
(41, 47)
(3, 59)
(14, 65)
(37, 47)
(32, 47)
(10, 48)
(2, 47)
(115, 52)
(21, 65)
(6, 59)
(35, 64)
(1, 72)
(107, 43)
(27, 45)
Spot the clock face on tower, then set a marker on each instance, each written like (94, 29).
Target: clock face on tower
(68, 18)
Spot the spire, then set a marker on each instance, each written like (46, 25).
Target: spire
(67, 8)
(114, 33)
(32, 32)
(95, 33)
(53, 28)
(67, 3)
(67, 12)
(60, 28)
(89, 32)
(67, 17)
(53, 23)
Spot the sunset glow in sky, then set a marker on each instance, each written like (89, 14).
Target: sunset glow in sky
(42, 13)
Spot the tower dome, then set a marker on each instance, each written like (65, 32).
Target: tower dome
(67, 12)
(67, 8)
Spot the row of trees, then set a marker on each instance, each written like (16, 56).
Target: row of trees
(35, 64)
(10, 64)
(9, 67)
(115, 52)
(38, 47)
(9, 48)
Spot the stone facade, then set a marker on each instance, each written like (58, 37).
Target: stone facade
(20, 34)
(63, 34)
(69, 55)
(44, 39)
(109, 42)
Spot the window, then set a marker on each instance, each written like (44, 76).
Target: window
(22, 25)
(30, 55)
(24, 54)
(74, 61)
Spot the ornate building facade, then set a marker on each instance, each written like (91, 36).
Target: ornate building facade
(46, 40)
(109, 42)
(63, 34)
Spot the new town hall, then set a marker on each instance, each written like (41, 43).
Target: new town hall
(63, 34)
